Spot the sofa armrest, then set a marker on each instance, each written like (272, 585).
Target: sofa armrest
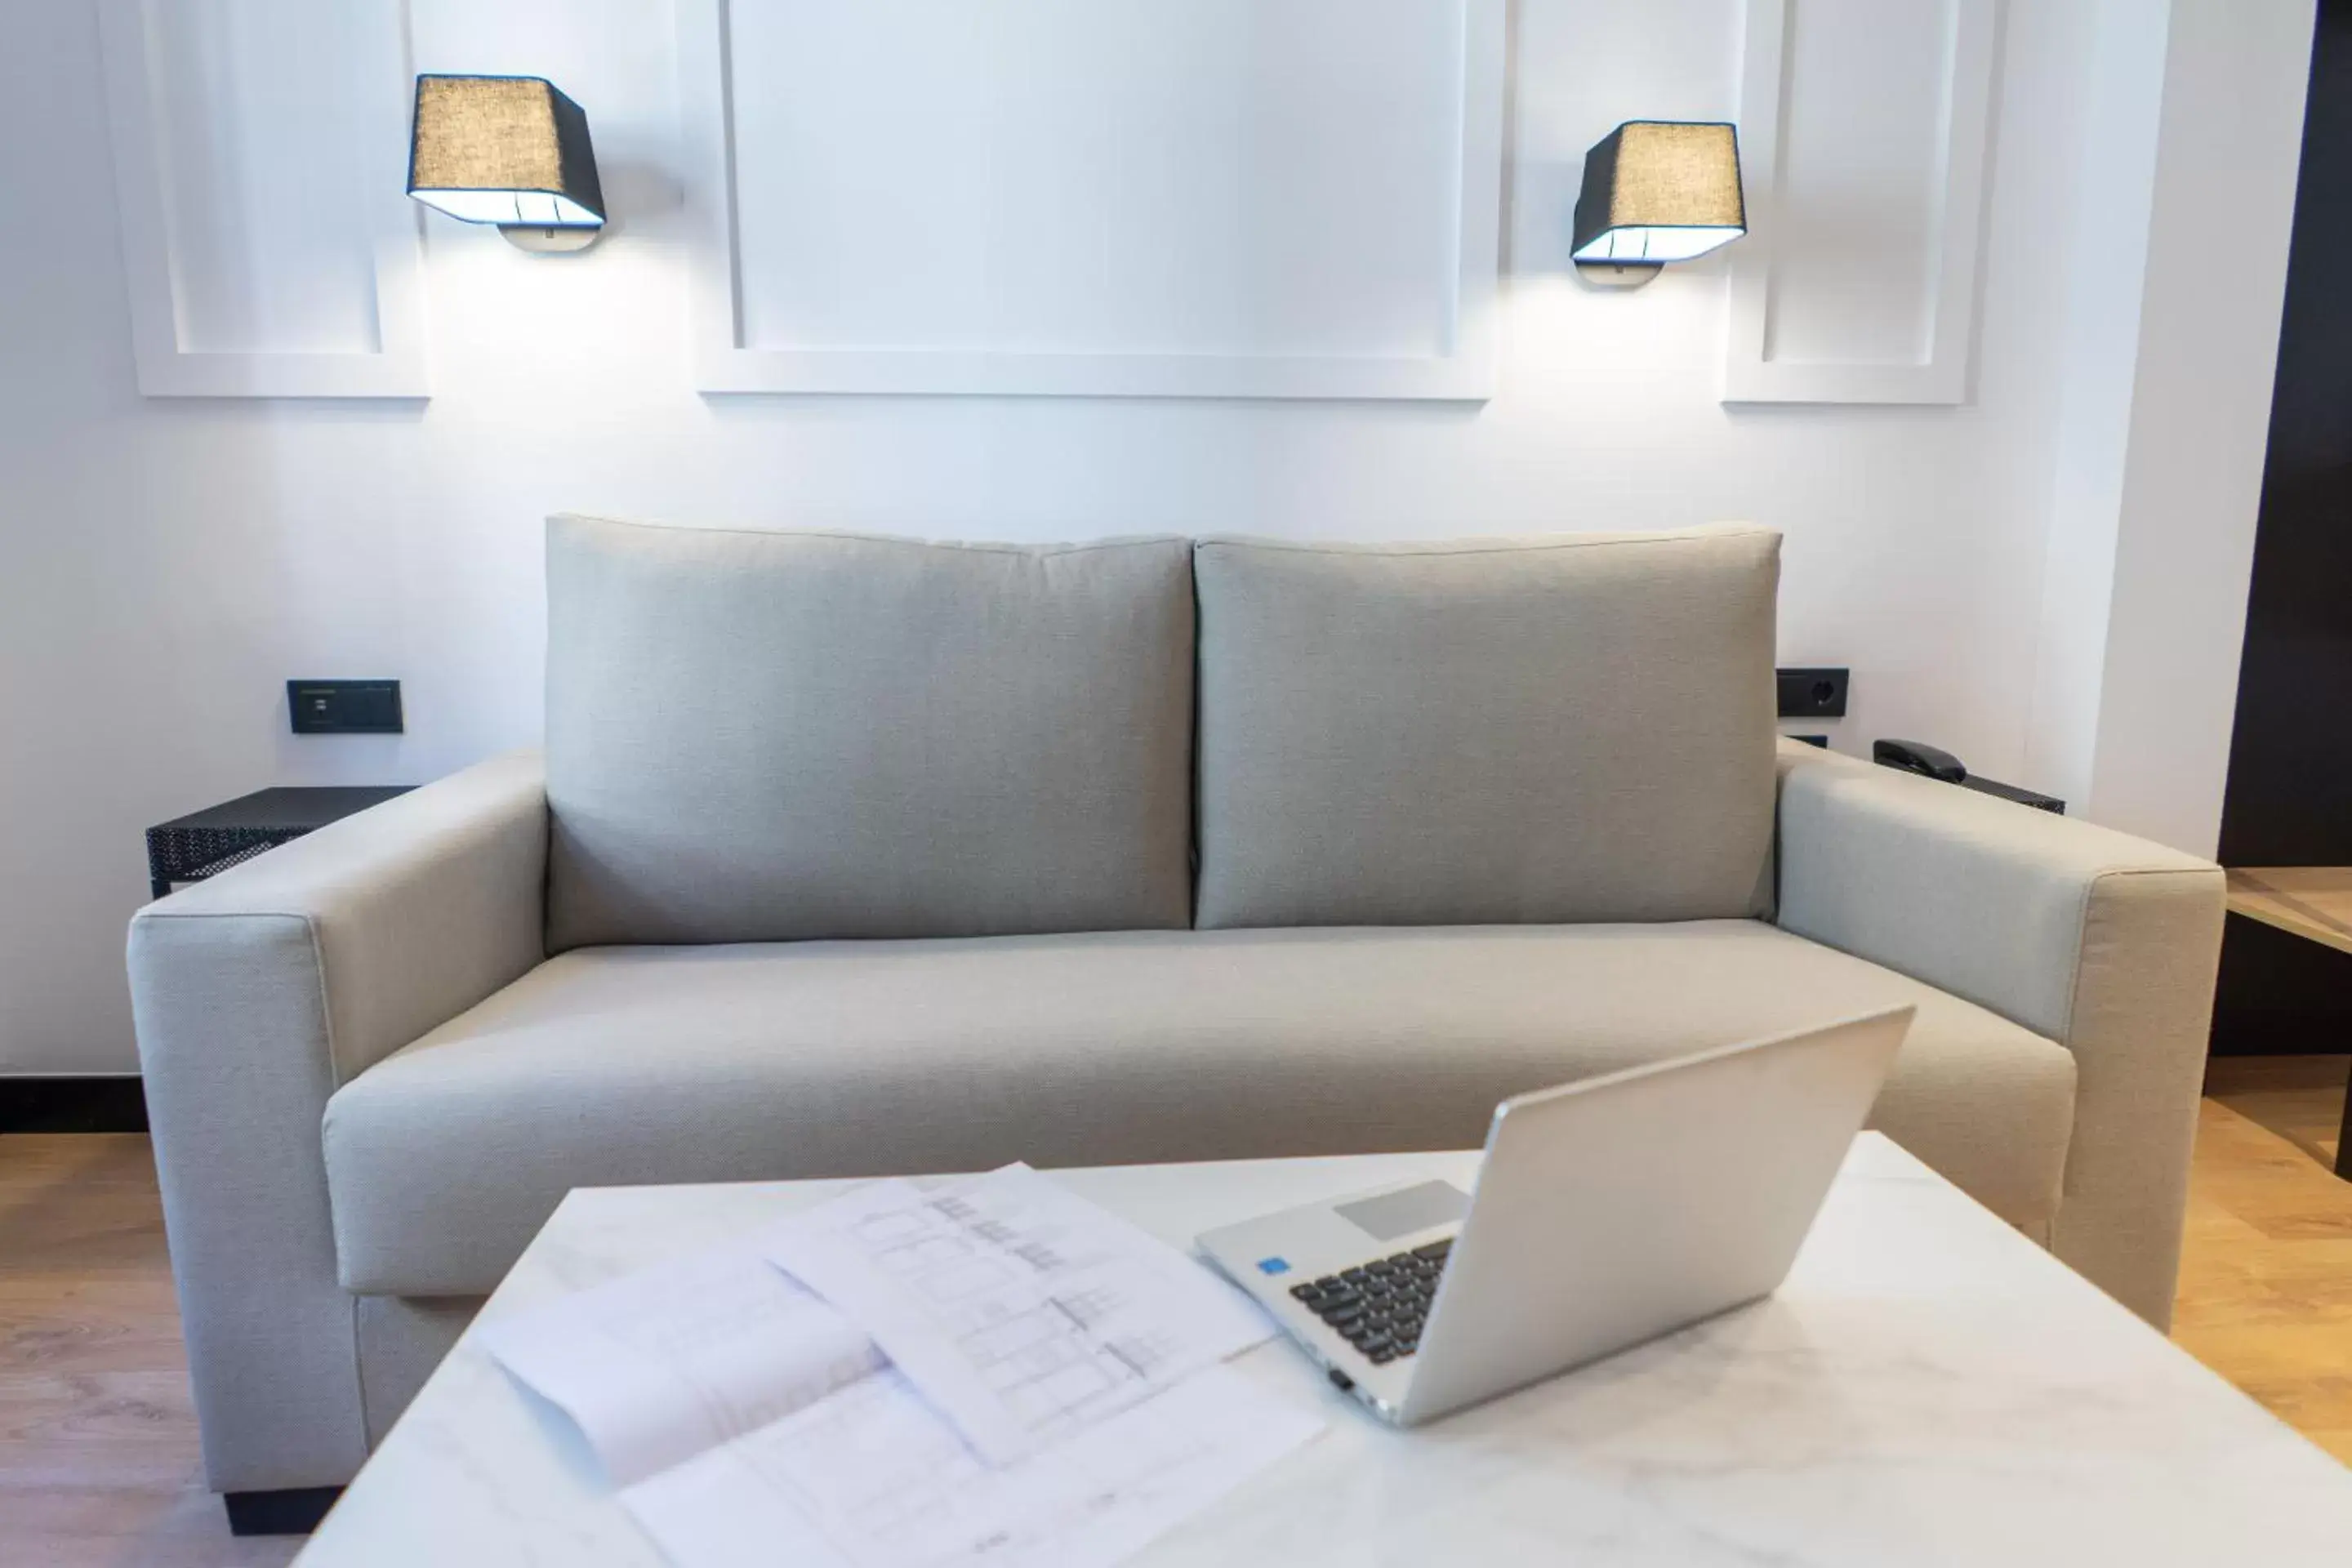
(256, 996)
(2103, 942)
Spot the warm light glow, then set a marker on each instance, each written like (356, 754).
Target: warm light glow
(1653, 244)
(534, 209)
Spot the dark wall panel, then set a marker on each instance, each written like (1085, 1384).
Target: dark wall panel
(2290, 791)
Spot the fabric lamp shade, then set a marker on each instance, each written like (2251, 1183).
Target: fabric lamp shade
(1659, 191)
(506, 150)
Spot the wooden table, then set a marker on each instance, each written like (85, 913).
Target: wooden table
(2313, 902)
(1929, 1387)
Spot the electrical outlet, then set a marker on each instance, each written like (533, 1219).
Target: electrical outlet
(1813, 692)
(344, 707)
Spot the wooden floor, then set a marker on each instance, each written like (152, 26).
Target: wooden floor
(98, 1434)
(97, 1445)
(2267, 1271)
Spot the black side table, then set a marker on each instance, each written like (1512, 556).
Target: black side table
(190, 848)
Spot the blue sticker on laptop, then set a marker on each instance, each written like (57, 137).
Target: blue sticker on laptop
(1274, 1266)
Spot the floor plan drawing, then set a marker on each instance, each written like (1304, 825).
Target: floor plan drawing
(1026, 1314)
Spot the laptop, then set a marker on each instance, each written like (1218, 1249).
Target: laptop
(1608, 1212)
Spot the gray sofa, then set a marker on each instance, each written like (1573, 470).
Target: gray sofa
(852, 856)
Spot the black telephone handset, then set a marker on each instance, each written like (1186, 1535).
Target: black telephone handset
(1917, 757)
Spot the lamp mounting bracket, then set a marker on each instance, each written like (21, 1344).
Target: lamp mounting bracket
(1618, 274)
(541, 240)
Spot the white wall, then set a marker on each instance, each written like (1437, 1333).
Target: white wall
(164, 566)
(2230, 141)
(2171, 347)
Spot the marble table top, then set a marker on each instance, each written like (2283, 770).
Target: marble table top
(1929, 1387)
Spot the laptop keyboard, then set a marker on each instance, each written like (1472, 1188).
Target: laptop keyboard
(1380, 1307)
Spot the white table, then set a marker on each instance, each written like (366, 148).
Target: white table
(1928, 1388)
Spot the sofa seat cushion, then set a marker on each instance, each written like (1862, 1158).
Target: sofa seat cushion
(650, 1064)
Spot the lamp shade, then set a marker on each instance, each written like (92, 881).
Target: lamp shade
(1658, 191)
(505, 150)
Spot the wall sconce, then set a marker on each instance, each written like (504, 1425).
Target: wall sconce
(508, 149)
(1656, 191)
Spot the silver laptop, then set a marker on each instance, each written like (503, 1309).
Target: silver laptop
(1608, 1212)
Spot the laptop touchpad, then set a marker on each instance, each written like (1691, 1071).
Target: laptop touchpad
(1401, 1213)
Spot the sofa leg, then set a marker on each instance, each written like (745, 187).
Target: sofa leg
(295, 1512)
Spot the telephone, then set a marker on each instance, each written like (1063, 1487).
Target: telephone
(1918, 757)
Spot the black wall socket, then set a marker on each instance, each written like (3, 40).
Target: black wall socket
(1812, 693)
(344, 707)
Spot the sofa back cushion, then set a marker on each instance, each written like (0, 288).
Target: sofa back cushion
(1571, 729)
(761, 737)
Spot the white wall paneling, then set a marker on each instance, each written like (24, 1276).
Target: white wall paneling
(1864, 130)
(183, 563)
(1260, 198)
(259, 161)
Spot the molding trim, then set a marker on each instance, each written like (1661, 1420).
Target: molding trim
(1752, 372)
(297, 1510)
(397, 368)
(114, 1104)
(723, 364)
